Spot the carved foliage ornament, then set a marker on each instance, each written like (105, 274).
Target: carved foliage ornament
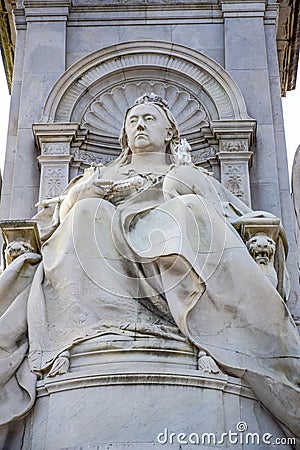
(233, 146)
(89, 158)
(203, 155)
(54, 148)
(54, 179)
(234, 177)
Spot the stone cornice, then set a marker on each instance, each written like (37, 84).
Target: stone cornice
(233, 8)
(288, 34)
(45, 133)
(288, 43)
(7, 39)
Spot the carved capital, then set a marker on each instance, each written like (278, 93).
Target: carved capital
(54, 142)
(234, 130)
(269, 225)
(54, 138)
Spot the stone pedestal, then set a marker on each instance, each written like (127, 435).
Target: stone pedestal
(145, 394)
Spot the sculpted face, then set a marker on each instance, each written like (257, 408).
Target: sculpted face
(147, 129)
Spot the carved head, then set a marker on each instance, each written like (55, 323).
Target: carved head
(163, 131)
(15, 249)
(261, 248)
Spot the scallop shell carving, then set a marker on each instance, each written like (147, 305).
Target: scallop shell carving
(105, 115)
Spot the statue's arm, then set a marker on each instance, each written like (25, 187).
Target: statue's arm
(189, 179)
(89, 186)
(54, 210)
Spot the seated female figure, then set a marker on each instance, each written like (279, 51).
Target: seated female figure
(145, 246)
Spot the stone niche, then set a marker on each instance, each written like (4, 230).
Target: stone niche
(83, 114)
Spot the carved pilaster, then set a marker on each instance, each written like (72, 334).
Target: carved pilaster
(234, 168)
(235, 139)
(54, 175)
(54, 142)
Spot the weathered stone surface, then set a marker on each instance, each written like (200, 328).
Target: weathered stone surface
(79, 66)
(142, 286)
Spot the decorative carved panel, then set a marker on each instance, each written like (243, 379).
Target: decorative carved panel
(88, 158)
(105, 115)
(53, 181)
(234, 145)
(235, 173)
(203, 155)
(55, 148)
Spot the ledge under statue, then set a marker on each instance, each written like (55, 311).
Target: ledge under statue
(146, 248)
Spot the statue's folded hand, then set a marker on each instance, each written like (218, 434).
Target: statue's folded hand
(87, 187)
(94, 189)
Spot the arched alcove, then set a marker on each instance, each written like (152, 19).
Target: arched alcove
(95, 92)
(144, 60)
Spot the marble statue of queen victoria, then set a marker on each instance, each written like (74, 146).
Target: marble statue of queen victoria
(145, 246)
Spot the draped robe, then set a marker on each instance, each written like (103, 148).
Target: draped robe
(165, 261)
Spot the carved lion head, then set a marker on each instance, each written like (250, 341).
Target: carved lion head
(262, 248)
(15, 249)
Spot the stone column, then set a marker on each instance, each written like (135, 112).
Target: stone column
(54, 141)
(9, 167)
(43, 62)
(281, 157)
(246, 61)
(251, 59)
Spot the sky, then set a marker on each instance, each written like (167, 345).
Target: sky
(291, 112)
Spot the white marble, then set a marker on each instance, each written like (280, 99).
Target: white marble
(121, 394)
